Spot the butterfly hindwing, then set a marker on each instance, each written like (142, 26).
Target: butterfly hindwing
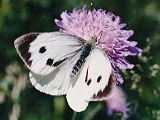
(44, 52)
(93, 78)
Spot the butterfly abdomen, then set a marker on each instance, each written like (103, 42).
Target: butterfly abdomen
(86, 49)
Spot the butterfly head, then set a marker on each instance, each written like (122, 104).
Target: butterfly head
(93, 40)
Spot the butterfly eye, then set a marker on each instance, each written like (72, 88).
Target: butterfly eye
(42, 49)
(99, 79)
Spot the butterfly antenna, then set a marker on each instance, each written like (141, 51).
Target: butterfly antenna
(92, 11)
(92, 14)
(92, 6)
(99, 36)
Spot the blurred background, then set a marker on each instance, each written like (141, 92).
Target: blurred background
(21, 101)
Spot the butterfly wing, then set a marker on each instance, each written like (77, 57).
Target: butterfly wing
(44, 52)
(93, 79)
(58, 81)
(107, 91)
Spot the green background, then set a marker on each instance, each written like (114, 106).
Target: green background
(20, 100)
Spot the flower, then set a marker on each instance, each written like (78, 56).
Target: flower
(106, 27)
(117, 102)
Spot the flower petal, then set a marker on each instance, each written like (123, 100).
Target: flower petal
(117, 102)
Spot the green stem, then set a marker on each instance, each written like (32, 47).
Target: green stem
(74, 115)
(92, 112)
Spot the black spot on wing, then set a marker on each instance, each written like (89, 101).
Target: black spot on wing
(107, 90)
(49, 62)
(99, 78)
(42, 49)
(89, 82)
(24, 44)
(59, 62)
(86, 78)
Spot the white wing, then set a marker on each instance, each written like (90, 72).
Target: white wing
(92, 80)
(44, 52)
(58, 81)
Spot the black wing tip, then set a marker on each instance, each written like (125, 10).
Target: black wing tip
(22, 45)
(17, 40)
(24, 37)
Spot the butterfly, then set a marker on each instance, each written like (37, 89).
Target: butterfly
(63, 64)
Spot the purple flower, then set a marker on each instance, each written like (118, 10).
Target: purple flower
(117, 102)
(108, 30)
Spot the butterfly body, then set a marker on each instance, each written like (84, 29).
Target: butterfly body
(62, 64)
(85, 51)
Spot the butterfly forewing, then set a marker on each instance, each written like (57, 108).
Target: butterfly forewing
(56, 82)
(44, 52)
(107, 91)
(92, 79)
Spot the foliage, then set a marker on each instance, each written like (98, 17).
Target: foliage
(19, 100)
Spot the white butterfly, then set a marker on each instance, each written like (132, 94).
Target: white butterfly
(64, 64)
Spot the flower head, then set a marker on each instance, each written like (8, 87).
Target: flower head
(108, 30)
(117, 102)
